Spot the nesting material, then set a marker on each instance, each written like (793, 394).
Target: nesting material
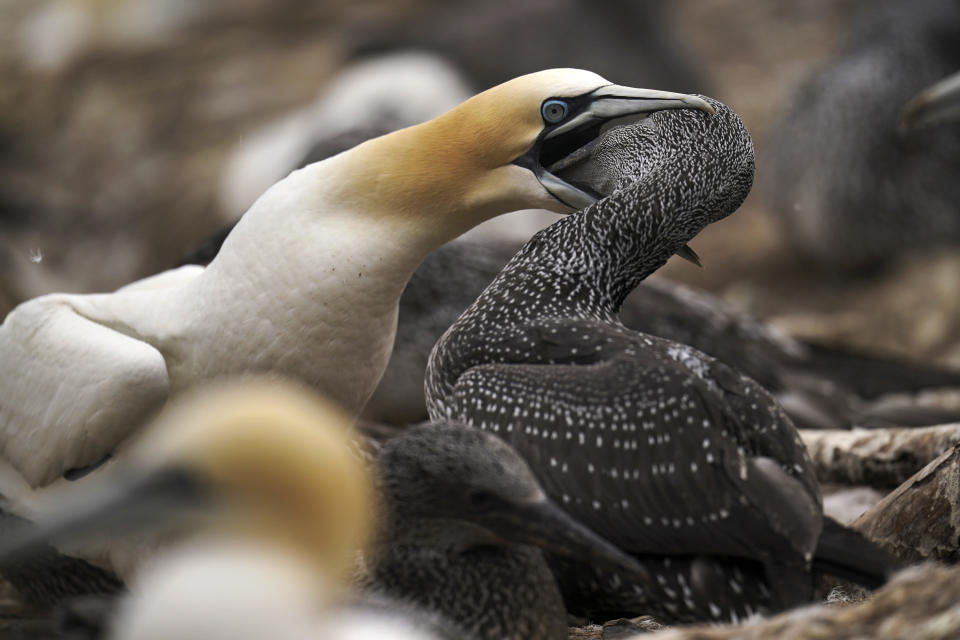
(882, 458)
(920, 520)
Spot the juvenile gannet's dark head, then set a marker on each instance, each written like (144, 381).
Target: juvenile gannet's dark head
(573, 109)
(697, 161)
(451, 472)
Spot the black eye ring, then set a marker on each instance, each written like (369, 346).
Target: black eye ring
(553, 111)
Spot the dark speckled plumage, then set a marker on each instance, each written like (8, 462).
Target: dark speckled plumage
(442, 546)
(46, 577)
(489, 591)
(652, 444)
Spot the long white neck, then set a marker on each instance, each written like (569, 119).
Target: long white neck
(308, 283)
(395, 198)
(305, 228)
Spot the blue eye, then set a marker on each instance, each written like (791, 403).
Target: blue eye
(554, 111)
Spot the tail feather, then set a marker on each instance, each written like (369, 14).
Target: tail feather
(847, 554)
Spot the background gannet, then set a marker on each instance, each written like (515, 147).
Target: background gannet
(852, 190)
(306, 285)
(655, 446)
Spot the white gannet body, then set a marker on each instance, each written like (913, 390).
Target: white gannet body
(307, 285)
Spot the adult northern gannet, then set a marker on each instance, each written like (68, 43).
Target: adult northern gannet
(306, 285)
(259, 503)
(664, 451)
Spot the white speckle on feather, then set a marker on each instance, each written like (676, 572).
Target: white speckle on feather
(692, 360)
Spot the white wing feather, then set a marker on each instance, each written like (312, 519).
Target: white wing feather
(70, 389)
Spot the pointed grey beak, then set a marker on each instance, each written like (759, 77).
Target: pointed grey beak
(545, 525)
(936, 104)
(614, 101)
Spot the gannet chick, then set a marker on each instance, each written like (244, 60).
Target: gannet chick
(258, 505)
(653, 445)
(853, 190)
(462, 520)
(306, 285)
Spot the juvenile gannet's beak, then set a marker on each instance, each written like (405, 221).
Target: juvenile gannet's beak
(568, 143)
(543, 524)
(938, 103)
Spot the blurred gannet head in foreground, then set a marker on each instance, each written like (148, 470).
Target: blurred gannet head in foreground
(258, 463)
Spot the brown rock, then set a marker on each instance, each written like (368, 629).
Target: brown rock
(882, 458)
(920, 520)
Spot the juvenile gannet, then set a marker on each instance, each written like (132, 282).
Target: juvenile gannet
(259, 504)
(463, 523)
(660, 449)
(307, 283)
(853, 190)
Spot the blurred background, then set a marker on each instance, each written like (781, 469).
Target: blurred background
(130, 130)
